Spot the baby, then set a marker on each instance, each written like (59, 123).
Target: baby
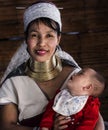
(78, 101)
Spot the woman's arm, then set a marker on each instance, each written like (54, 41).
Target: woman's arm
(9, 118)
(100, 123)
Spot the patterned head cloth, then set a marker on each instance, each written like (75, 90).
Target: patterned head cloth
(38, 10)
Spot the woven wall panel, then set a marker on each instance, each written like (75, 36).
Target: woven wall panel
(8, 20)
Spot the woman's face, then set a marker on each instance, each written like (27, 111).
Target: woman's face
(42, 42)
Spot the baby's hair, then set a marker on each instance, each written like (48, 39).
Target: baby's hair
(99, 77)
(98, 80)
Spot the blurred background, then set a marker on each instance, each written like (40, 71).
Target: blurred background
(85, 34)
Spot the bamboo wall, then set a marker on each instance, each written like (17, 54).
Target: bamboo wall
(85, 27)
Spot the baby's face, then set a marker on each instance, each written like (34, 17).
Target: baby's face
(77, 82)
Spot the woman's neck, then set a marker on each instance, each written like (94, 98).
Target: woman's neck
(44, 71)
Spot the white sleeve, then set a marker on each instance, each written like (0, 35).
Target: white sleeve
(8, 93)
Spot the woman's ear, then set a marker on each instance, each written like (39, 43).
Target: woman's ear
(59, 38)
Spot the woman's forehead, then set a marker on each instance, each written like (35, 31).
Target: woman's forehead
(35, 28)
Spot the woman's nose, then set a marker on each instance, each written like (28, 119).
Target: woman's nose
(41, 41)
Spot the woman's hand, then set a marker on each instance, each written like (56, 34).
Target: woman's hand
(60, 122)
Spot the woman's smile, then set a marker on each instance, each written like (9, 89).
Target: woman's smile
(41, 52)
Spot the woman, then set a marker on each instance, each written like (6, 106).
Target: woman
(27, 89)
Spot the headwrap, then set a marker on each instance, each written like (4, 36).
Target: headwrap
(38, 10)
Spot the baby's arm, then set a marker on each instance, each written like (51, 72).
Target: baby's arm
(90, 115)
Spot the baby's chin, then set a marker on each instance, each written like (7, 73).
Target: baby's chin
(76, 94)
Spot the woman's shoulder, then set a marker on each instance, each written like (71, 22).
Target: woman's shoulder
(68, 63)
(20, 70)
(74, 68)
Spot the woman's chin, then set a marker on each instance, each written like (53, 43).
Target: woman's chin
(40, 59)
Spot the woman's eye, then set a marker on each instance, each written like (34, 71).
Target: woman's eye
(49, 35)
(34, 35)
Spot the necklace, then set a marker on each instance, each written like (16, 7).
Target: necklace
(44, 71)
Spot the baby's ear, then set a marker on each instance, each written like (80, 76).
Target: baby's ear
(88, 87)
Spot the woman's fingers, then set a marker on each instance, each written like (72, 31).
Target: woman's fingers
(60, 122)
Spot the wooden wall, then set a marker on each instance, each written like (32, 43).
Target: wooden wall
(85, 27)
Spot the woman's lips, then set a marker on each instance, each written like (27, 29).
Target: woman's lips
(41, 52)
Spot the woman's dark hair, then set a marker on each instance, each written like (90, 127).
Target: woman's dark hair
(48, 22)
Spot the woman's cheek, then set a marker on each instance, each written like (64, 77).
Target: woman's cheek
(31, 43)
(54, 47)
